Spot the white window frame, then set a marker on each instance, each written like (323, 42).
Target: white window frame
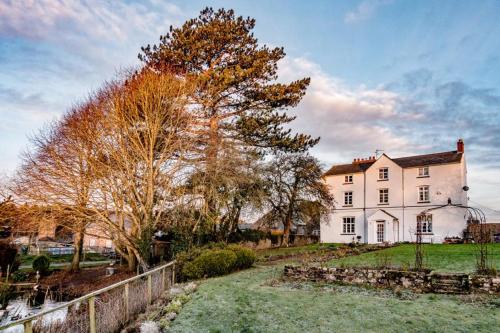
(423, 171)
(424, 193)
(348, 198)
(424, 223)
(348, 179)
(348, 225)
(383, 173)
(383, 196)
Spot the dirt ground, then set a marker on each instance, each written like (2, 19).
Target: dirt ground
(71, 285)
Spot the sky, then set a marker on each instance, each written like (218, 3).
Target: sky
(402, 76)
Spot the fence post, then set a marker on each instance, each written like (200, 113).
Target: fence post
(126, 300)
(163, 281)
(173, 274)
(28, 327)
(150, 290)
(92, 314)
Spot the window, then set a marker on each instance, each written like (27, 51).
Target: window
(423, 172)
(383, 196)
(348, 179)
(383, 174)
(348, 225)
(348, 198)
(423, 193)
(424, 223)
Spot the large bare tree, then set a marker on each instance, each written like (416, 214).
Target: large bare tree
(141, 159)
(56, 173)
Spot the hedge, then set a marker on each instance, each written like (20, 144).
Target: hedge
(213, 260)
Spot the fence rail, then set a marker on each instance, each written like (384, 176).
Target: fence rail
(106, 309)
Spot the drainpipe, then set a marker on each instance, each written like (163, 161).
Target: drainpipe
(365, 222)
(403, 186)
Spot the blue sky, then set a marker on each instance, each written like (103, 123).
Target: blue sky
(407, 77)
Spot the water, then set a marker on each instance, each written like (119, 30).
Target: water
(19, 306)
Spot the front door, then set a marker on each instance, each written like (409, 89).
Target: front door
(380, 231)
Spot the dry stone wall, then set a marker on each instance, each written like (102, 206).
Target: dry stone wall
(421, 281)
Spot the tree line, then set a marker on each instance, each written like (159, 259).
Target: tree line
(186, 143)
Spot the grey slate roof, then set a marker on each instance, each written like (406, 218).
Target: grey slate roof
(404, 162)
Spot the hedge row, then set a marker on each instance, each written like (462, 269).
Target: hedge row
(213, 260)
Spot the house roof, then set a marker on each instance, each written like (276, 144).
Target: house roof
(404, 162)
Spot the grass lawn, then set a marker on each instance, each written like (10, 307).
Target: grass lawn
(293, 250)
(438, 257)
(246, 302)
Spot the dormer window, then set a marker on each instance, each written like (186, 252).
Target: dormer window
(348, 179)
(423, 171)
(383, 174)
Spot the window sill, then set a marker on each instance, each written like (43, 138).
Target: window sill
(426, 233)
(347, 206)
(347, 183)
(422, 202)
(423, 176)
(383, 180)
(383, 204)
(353, 234)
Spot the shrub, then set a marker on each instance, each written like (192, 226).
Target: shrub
(41, 264)
(245, 257)
(6, 294)
(210, 263)
(8, 257)
(19, 276)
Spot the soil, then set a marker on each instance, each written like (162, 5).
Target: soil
(71, 285)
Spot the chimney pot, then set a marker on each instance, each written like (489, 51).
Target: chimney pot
(460, 146)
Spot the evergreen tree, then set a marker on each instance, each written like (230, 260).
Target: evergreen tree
(238, 104)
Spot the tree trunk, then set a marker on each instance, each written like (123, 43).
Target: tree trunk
(77, 256)
(211, 167)
(286, 231)
(131, 260)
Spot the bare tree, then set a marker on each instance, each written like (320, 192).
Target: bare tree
(56, 173)
(291, 181)
(141, 160)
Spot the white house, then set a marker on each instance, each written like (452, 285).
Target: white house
(382, 199)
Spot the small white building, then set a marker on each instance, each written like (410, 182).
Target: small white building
(380, 200)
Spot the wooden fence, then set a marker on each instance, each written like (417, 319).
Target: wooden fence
(104, 310)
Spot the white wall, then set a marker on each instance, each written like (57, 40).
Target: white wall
(444, 181)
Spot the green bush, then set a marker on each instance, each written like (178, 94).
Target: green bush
(19, 276)
(210, 263)
(41, 264)
(245, 257)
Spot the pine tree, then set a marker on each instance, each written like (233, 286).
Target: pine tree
(238, 104)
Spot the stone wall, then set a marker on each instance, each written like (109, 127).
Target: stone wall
(422, 281)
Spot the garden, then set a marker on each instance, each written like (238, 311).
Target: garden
(260, 300)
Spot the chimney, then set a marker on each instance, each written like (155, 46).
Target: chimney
(460, 146)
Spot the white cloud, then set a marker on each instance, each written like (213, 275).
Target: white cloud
(107, 34)
(365, 10)
(352, 122)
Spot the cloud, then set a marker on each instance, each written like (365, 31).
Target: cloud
(365, 10)
(418, 113)
(106, 34)
(351, 121)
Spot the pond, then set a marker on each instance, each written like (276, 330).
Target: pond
(20, 309)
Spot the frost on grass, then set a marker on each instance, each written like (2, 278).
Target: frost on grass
(149, 327)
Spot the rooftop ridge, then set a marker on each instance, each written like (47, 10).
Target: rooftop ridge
(453, 156)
